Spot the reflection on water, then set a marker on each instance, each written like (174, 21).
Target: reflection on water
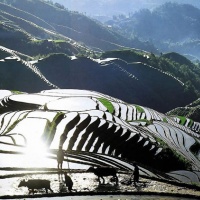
(61, 183)
(25, 161)
(107, 187)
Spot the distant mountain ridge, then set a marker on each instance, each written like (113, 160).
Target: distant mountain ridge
(113, 7)
(170, 27)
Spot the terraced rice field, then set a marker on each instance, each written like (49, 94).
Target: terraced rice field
(92, 129)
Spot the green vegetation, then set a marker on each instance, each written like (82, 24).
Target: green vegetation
(171, 63)
(78, 27)
(139, 109)
(182, 120)
(12, 126)
(50, 128)
(59, 41)
(195, 184)
(195, 103)
(165, 120)
(157, 27)
(182, 161)
(37, 41)
(16, 92)
(191, 123)
(188, 74)
(128, 55)
(107, 104)
(168, 155)
(193, 113)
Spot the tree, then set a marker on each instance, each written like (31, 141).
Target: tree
(59, 6)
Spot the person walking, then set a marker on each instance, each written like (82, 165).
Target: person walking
(135, 175)
(68, 182)
(60, 158)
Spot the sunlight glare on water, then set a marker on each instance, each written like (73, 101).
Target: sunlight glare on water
(35, 150)
(34, 154)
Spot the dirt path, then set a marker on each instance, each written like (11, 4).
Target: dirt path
(87, 184)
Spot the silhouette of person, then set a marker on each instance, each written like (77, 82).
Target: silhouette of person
(135, 174)
(68, 182)
(60, 157)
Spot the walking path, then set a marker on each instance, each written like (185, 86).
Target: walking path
(86, 186)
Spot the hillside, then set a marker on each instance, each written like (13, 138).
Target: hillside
(20, 77)
(138, 81)
(191, 111)
(112, 73)
(161, 26)
(31, 34)
(24, 40)
(45, 21)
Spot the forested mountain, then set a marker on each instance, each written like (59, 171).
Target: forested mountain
(105, 9)
(170, 27)
(191, 111)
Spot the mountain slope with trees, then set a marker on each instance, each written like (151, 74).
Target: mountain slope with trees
(170, 27)
(35, 16)
(135, 82)
(104, 9)
(191, 111)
